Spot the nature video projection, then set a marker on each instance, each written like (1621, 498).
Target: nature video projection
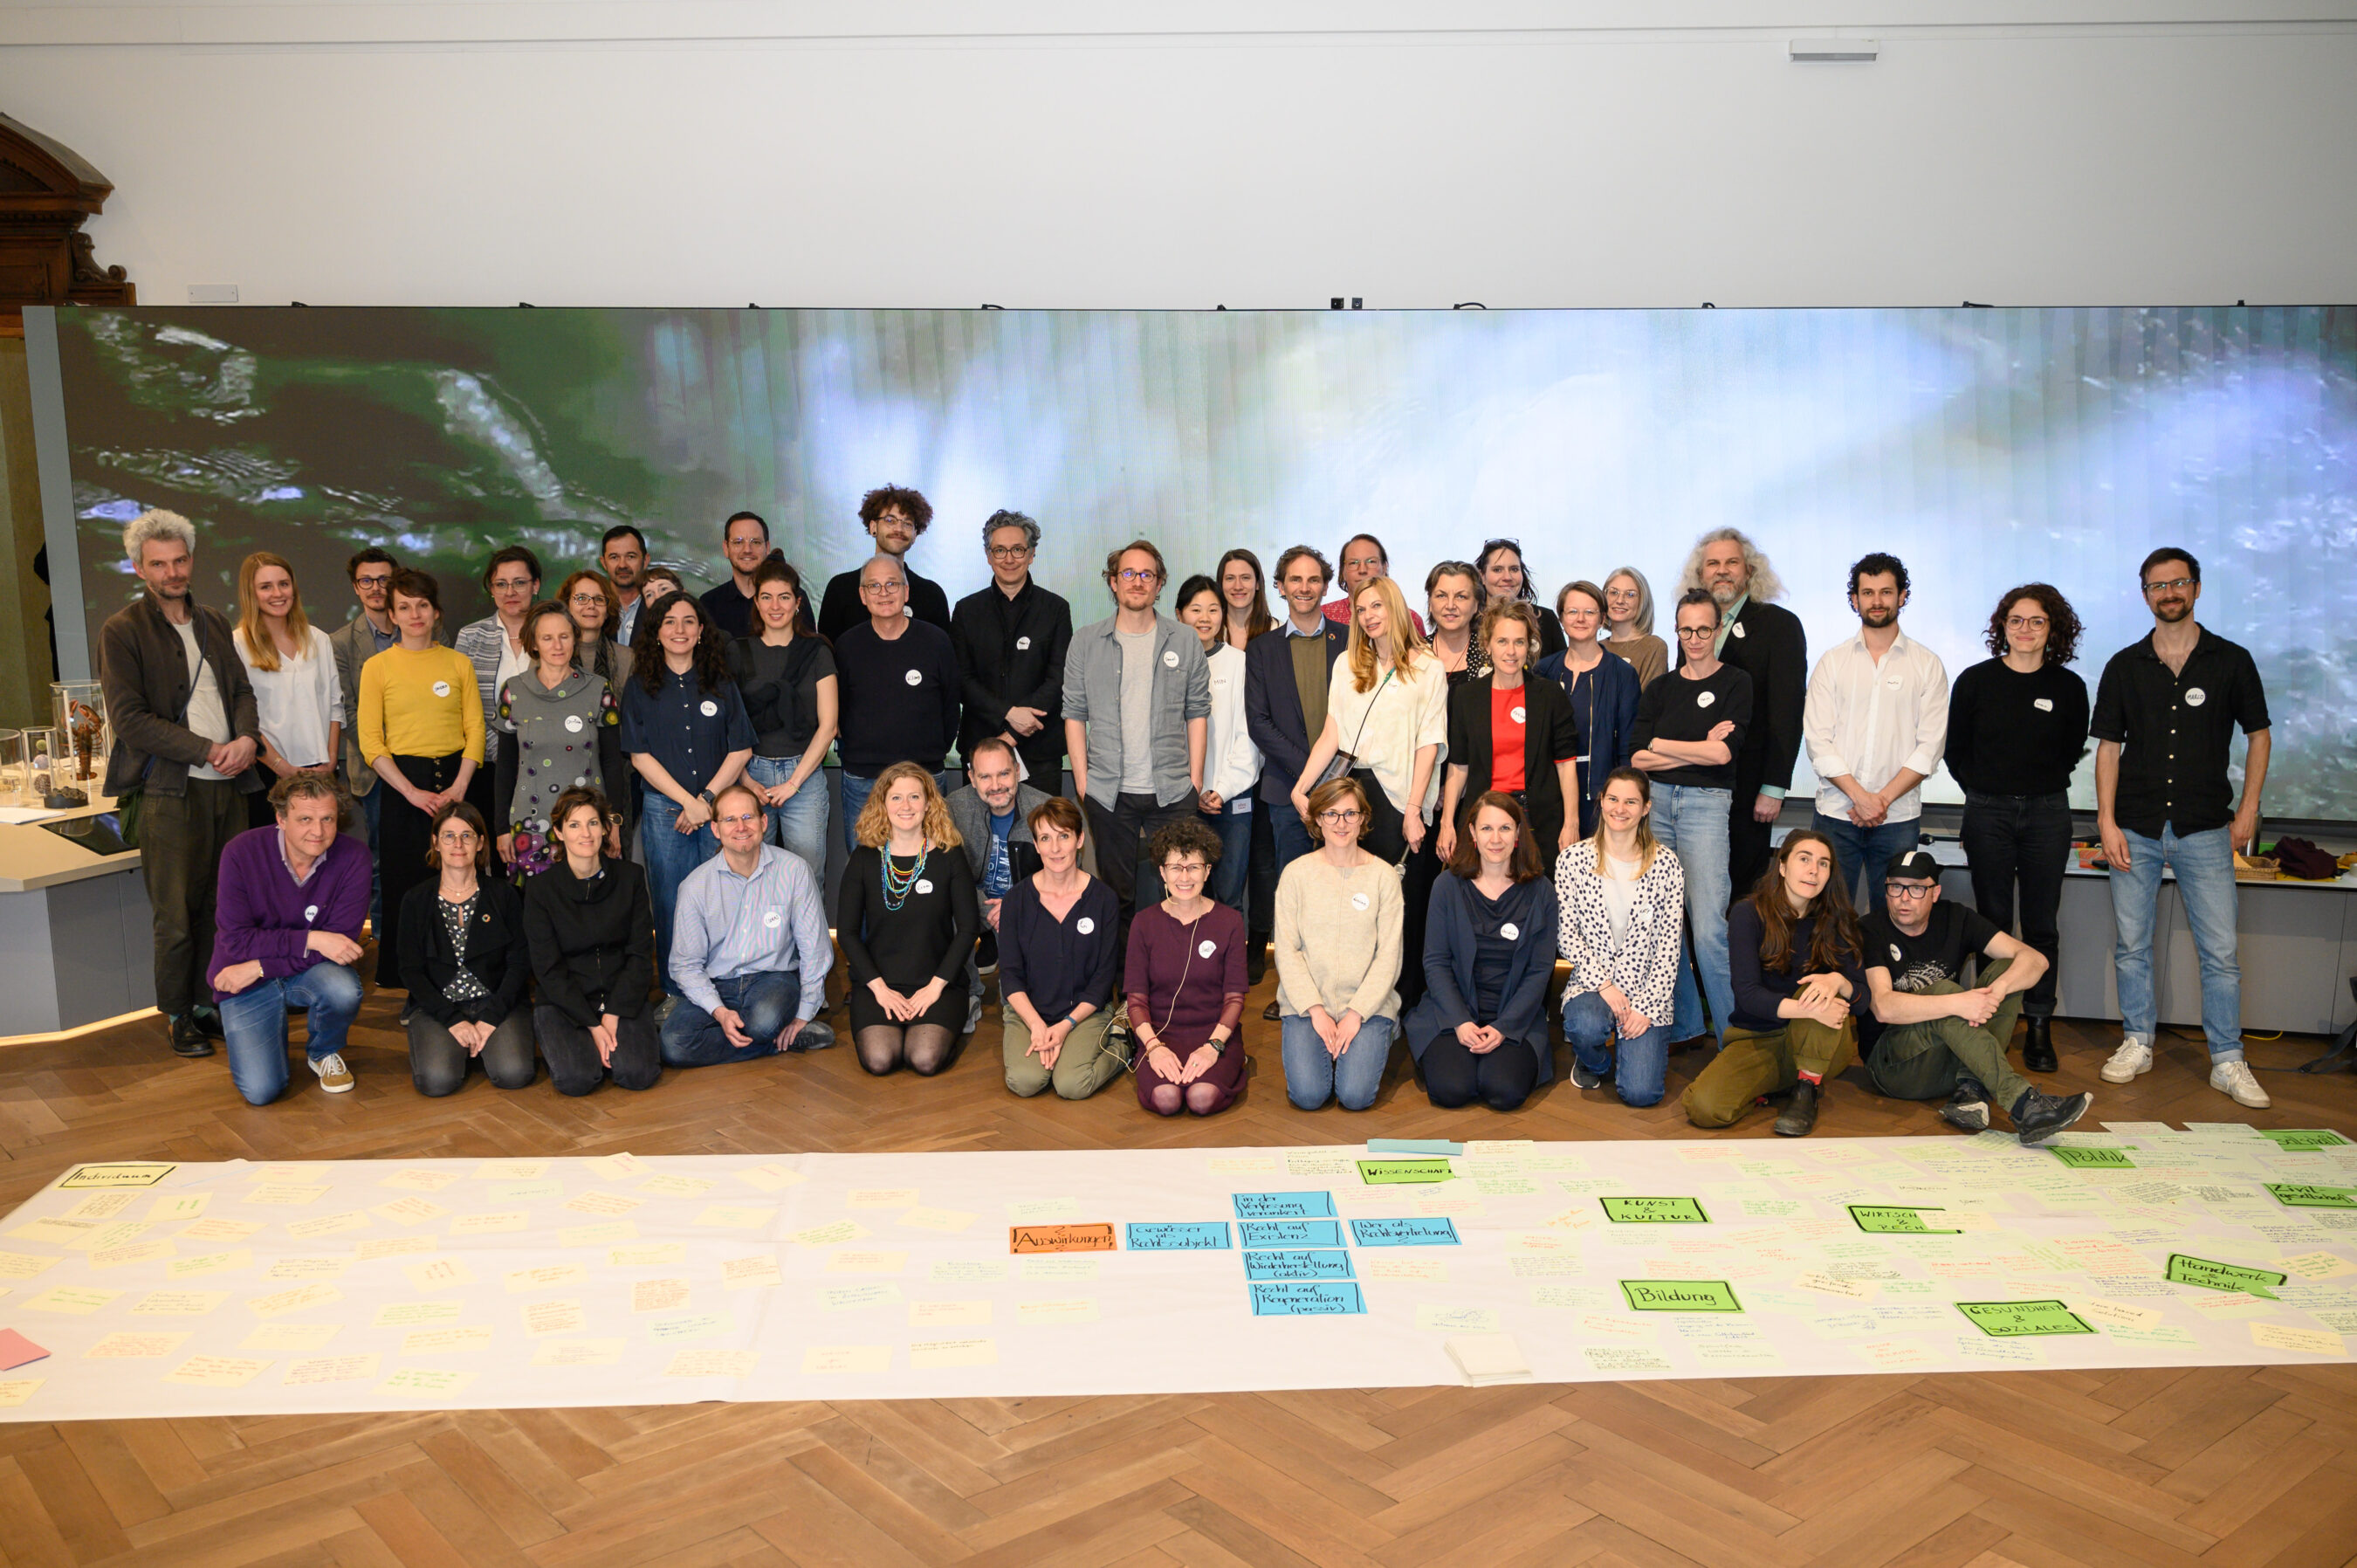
(1986, 448)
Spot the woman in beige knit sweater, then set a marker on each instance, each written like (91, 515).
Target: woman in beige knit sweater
(1339, 913)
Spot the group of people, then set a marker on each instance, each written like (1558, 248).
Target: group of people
(612, 800)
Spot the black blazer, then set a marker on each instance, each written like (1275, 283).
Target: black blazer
(1010, 653)
(1273, 714)
(494, 950)
(1769, 645)
(1550, 735)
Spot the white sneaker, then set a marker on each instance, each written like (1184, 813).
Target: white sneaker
(2133, 1058)
(334, 1076)
(2235, 1079)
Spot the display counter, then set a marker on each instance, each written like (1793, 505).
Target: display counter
(77, 943)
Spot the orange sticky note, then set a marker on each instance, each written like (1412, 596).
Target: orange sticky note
(1059, 1239)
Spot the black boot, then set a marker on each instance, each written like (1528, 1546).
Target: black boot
(2037, 1045)
(188, 1040)
(1257, 958)
(1800, 1115)
(1967, 1105)
(207, 1020)
(2038, 1117)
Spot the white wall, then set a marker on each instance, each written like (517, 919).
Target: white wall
(1034, 152)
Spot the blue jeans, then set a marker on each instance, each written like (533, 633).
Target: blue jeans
(1312, 1077)
(2204, 864)
(764, 1002)
(1234, 871)
(1869, 850)
(1692, 821)
(1640, 1065)
(1290, 832)
(671, 855)
(253, 1025)
(799, 825)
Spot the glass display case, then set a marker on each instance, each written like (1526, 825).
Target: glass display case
(14, 779)
(84, 737)
(41, 750)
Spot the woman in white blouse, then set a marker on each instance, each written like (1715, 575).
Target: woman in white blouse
(292, 666)
(1231, 761)
(1387, 713)
(1620, 897)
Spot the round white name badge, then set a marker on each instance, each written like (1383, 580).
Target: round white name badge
(711, 709)
(1085, 924)
(1358, 900)
(1206, 948)
(311, 912)
(2195, 696)
(1022, 644)
(909, 611)
(771, 921)
(573, 724)
(1705, 699)
(1515, 714)
(441, 688)
(1738, 629)
(1510, 931)
(925, 885)
(1170, 658)
(1895, 956)
(2043, 704)
(914, 677)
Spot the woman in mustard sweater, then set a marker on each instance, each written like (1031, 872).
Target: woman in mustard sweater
(421, 726)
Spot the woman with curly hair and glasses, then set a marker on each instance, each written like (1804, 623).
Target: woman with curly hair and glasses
(2017, 729)
(907, 918)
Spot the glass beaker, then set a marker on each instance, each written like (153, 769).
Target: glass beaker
(41, 756)
(84, 736)
(13, 778)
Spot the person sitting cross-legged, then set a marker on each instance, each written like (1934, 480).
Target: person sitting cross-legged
(1929, 1035)
(749, 950)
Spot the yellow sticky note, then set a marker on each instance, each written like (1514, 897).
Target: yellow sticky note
(313, 1370)
(136, 1252)
(179, 1303)
(492, 1224)
(867, 1262)
(511, 1170)
(741, 1273)
(603, 1233)
(562, 1316)
(395, 1247)
(2317, 1266)
(947, 1220)
(210, 1231)
(74, 1300)
(295, 1337)
(947, 1314)
(417, 1179)
(654, 1255)
(851, 1298)
(438, 1274)
(125, 1346)
(615, 1168)
(611, 1205)
(104, 1206)
(2116, 1314)
(327, 1225)
(215, 1371)
(881, 1198)
(409, 1210)
(711, 1364)
(720, 1216)
(55, 1232)
(308, 1268)
(1419, 1270)
(578, 1353)
(953, 1353)
(1044, 1211)
(405, 1313)
(25, 1265)
(447, 1341)
(1848, 1290)
(423, 1382)
(284, 1195)
(106, 1236)
(771, 1178)
(1069, 1309)
(174, 1205)
(299, 1299)
(846, 1358)
(2305, 1341)
(658, 1296)
(209, 1263)
(546, 1276)
(834, 1235)
(669, 1185)
(15, 1392)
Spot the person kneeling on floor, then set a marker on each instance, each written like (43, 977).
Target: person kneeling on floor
(750, 949)
(286, 933)
(1793, 952)
(1929, 1036)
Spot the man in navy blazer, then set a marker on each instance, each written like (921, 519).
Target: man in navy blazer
(1284, 715)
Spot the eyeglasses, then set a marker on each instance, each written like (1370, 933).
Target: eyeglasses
(1697, 633)
(1342, 817)
(374, 580)
(2173, 583)
(511, 585)
(1008, 552)
(1138, 574)
(742, 819)
(1909, 889)
(2025, 623)
(588, 598)
(894, 586)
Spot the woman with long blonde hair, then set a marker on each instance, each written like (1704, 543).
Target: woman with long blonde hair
(292, 666)
(1387, 711)
(1622, 894)
(907, 918)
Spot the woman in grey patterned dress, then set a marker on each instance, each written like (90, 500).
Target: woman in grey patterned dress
(567, 736)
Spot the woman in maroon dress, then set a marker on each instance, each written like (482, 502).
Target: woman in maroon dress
(1185, 982)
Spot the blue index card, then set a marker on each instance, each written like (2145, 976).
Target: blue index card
(1291, 1232)
(1306, 1298)
(1207, 1236)
(1284, 1205)
(1299, 1266)
(1404, 1233)
(1413, 1146)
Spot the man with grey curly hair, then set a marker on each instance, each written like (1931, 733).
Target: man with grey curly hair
(1765, 641)
(1011, 640)
(186, 732)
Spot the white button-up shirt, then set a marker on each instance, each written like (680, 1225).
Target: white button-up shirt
(1869, 720)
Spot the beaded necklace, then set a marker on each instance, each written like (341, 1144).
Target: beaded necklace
(896, 887)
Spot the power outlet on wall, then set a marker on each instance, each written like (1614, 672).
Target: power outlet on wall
(212, 294)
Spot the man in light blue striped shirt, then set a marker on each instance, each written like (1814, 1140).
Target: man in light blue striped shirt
(750, 949)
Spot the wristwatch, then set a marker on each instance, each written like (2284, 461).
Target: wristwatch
(705, 796)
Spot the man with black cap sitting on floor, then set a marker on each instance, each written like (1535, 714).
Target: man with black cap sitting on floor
(1928, 1034)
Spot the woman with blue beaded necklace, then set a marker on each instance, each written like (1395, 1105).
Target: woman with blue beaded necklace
(907, 918)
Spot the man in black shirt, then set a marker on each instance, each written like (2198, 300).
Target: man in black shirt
(745, 538)
(1765, 641)
(897, 691)
(1928, 1034)
(1010, 640)
(2166, 712)
(894, 516)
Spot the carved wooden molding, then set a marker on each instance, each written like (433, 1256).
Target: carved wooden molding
(46, 192)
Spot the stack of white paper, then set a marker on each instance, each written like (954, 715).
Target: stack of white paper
(1486, 1359)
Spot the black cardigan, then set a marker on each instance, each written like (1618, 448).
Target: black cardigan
(1550, 736)
(495, 951)
(593, 942)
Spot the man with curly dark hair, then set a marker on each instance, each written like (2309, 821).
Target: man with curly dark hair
(2017, 729)
(894, 516)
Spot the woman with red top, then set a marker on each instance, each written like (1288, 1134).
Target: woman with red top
(1185, 982)
(1513, 735)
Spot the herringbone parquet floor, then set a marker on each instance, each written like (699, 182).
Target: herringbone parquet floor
(2220, 1466)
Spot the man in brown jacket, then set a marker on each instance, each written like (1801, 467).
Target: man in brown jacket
(186, 731)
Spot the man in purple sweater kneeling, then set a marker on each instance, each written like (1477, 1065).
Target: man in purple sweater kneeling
(288, 934)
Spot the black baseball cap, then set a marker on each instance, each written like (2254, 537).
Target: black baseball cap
(1911, 863)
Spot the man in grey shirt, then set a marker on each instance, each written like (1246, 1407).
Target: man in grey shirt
(1143, 678)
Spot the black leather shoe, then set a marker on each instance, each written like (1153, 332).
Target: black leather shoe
(1800, 1115)
(2038, 1117)
(2038, 1046)
(188, 1038)
(209, 1021)
(1271, 1013)
(1967, 1105)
